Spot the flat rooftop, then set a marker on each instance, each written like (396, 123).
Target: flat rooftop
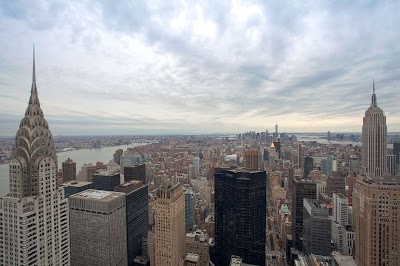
(98, 195)
(76, 184)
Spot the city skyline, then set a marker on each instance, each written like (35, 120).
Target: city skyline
(162, 68)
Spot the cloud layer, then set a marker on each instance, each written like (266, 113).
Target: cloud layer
(151, 67)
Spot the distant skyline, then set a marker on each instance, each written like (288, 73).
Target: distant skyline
(163, 67)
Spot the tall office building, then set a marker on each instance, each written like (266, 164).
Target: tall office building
(316, 228)
(34, 214)
(330, 160)
(396, 151)
(354, 164)
(87, 172)
(240, 216)
(301, 150)
(98, 228)
(169, 225)
(196, 163)
(106, 180)
(335, 183)
(301, 189)
(135, 172)
(189, 210)
(69, 170)
(252, 158)
(308, 166)
(137, 216)
(391, 165)
(374, 140)
(377, 221)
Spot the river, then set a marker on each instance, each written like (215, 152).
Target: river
(79, 156)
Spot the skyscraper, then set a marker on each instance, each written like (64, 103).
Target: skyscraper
(391, 165)
(240, 216)
(308, 166)
(69, 170)
(301, 189)
(252, 158)
(137, 216)
(169, 225)
(316, 228)
(135, 172)
(34, 215)
(377, 221)
(189, 209)
(374, 139)
(98, 228)
(396, 151)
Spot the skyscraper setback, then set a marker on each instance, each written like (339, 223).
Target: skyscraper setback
(374, 139)
(34, 215)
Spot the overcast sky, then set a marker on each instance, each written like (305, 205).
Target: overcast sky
(131, 67)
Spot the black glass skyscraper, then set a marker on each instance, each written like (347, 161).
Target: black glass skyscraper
(240, 216)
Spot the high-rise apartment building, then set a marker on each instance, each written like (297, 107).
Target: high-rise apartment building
(240, 216)
(301, 189)
(377, 220)
(117, 156)
(316, 228)
(374, 140)
(34, 214)
(169, 227)
(87, 172)
(252, 158)
(137, 216)
(69, 170)
(342, 233)
(98, 228)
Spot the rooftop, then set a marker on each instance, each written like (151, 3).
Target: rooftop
(98, 195)
(76, 184)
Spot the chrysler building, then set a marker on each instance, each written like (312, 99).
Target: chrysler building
(374, 140)
(34, 214)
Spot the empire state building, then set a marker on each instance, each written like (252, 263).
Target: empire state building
(34, 214)
(374, 140)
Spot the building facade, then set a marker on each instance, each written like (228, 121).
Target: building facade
(189, 210)
(377, 221)
(316, 228)
(69, 170)
(98, 228)
(240, 216)
(374, 140)
(137, 216)
(301, 189)
(169, 227)
(135, 172)
(106, 180)
(34, 214)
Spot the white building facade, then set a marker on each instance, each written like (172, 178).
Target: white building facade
(34, 214)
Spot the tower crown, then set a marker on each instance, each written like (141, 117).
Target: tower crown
(33, 141)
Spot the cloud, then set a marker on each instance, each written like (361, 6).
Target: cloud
(192, 67)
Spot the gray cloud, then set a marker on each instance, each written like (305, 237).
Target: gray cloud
(199, 66)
